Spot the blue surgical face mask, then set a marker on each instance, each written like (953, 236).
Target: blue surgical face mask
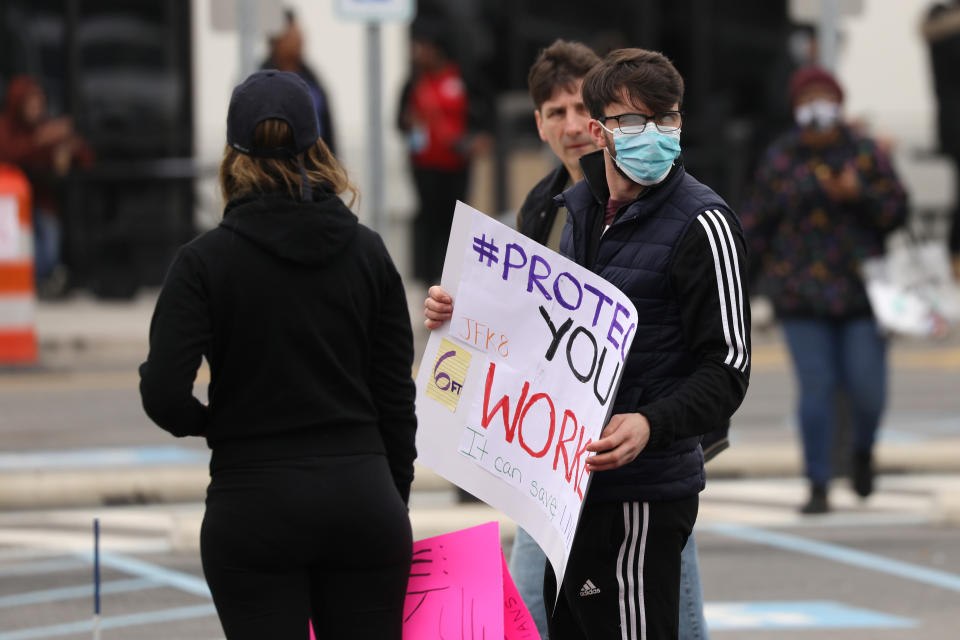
(645, 157)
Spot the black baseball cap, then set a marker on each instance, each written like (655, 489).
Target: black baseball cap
(266, 95)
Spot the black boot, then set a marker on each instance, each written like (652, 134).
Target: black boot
(817, 502)
(863, 473)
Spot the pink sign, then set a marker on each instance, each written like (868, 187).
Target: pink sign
(460, 588)
(517, 622)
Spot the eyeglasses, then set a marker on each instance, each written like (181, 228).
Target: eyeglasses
(633, 123)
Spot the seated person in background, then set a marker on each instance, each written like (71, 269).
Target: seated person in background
(45, 148)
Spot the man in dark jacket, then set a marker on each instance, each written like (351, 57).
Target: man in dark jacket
(555, 80)
(562, 122)
(675, 247)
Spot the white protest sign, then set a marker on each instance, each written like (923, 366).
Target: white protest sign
(523, 377)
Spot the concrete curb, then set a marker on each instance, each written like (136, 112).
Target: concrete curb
(48, 489)
(59, 488)
(948, 507)
(778, 460)
(52, 488)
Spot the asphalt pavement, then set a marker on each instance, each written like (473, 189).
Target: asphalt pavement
(74, 445)
(73, 432)
(884, 568)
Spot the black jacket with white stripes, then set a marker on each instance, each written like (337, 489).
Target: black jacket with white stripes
(678, 252)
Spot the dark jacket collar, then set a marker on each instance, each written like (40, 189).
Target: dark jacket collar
(546, 190)
(593, 189)
(556, 180)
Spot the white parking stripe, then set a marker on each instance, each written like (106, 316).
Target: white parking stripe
(73, 593)
(838, 553)
(115, 622)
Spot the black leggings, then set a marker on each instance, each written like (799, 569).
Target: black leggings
(322, 538)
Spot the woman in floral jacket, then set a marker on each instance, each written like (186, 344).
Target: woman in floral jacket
(824, 198)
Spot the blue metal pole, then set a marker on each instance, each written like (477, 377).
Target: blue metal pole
(96, 578)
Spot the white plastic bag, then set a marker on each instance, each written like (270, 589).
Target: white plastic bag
(911, 288)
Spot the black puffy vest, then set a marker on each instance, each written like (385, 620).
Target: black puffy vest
(635, 255)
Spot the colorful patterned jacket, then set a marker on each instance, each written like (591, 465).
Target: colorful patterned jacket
(806, 247)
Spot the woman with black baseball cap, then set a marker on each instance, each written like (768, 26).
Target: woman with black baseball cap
(303, 320)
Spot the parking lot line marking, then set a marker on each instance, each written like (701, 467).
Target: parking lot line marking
(840, 554)
(71, 540)
(72, 593)
(115, 622)
(16, 553)
(43, 566)
(102, 457)
(152, 617)
(802, 614)
(160, 575)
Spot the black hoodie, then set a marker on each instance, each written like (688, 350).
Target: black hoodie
(302, 317)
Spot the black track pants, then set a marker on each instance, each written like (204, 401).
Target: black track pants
(321, 538)
(622, 581)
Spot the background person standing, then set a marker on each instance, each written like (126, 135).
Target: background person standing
(45, 148)
(942, 32)
(433, 114)
(824, 198)
(302, 317)
(286, 54)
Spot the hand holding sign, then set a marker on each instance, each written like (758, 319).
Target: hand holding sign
(437, 308)
(624, 437)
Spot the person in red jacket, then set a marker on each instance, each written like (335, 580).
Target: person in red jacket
(45, 148)
(433, 114)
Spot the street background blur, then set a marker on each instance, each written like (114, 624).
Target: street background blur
(147, 85)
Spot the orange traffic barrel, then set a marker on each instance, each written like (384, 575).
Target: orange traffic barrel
(18, 300)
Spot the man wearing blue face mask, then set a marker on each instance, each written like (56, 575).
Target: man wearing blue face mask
(563, 121)
(642, 222)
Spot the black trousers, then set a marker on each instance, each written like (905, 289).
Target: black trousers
(438, 192)
(953, 238)
(622, 580)
(326, 539)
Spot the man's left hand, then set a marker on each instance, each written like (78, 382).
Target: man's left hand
(622, 440)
